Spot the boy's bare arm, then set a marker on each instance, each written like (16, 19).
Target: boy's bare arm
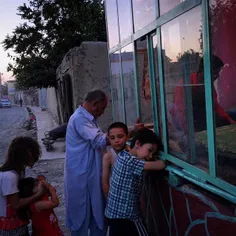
(154, 165)
(50, 204)
(106, 170)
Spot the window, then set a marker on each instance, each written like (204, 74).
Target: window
(166, 5)
(116, 86)
(112, 22)
(144, 11)
(125, 18)
(184, 88)
(223, 62)
(129, 85)
(144, 82)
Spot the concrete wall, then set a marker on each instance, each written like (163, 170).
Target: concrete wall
(11, 90)
(52, 104)
(48, 100)
(177, 207)
(83, 69)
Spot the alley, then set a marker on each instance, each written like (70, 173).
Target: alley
(11, 125)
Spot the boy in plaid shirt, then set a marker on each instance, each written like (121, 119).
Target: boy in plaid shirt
(123, 206)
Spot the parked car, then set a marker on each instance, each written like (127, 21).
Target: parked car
(4, 102)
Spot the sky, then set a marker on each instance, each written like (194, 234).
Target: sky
(8, 21)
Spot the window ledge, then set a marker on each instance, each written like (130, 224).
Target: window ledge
(200, 182)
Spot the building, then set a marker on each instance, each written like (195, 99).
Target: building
(11, 90)
(0, 85)
(163, 69)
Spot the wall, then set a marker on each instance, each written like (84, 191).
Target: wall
(11, 90)
(52, 104)
(83, 69)
(185, 209)
(48, 100)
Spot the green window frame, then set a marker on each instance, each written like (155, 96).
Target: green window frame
(208, 181)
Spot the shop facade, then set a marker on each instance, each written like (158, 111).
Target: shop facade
(173, 64)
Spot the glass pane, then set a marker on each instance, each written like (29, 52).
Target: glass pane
(166, 5)
(129, 86)
(144, 82)
(145, 11)
(184, 88)
(125, 18)
(112, 22)
(116, 86)
(223, 62)
(155, 54)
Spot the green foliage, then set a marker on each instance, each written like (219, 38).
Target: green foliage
(50, 29)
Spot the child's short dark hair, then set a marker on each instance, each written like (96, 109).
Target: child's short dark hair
(118, 125)
(26, 187)
(146, 136)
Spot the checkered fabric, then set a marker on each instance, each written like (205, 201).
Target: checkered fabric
(125, 188)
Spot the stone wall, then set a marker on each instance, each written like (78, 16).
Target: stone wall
(83, 68)
(48, 101)
(52, 104)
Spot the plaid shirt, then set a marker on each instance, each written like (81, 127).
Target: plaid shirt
(125, 188)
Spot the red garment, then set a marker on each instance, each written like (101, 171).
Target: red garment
(44, 223)
(178, 111)
(11, 221)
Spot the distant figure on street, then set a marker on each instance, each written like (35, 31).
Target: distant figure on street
(21, 102)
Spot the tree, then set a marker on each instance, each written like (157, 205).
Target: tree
(50, 29)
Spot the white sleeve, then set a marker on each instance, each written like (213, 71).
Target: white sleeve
(9, 184)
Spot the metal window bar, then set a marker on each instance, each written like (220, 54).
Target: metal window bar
(189, 111)
(122, 89)
(137, 94)
(208, 89)
(153, 84)
(178, 10)
(162, 92)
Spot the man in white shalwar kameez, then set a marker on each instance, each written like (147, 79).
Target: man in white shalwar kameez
(83, 168)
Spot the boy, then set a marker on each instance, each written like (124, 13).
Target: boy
(118, 136)
(123, 208)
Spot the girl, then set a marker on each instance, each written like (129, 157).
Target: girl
(44, 220)
(22, 152)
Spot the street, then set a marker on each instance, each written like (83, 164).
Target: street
(11, 125)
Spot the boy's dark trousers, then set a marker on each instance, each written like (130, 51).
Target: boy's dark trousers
(124, 227)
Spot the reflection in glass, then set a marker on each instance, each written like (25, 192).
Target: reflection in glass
(144, 11)
(129, 86)
(144, 82)
(184, 87)
(116, 86)
(155, 54)
(166, 5)
(125, 18)
(223, 63)
(112, 22)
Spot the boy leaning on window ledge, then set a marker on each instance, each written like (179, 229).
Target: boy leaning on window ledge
(123, 206)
